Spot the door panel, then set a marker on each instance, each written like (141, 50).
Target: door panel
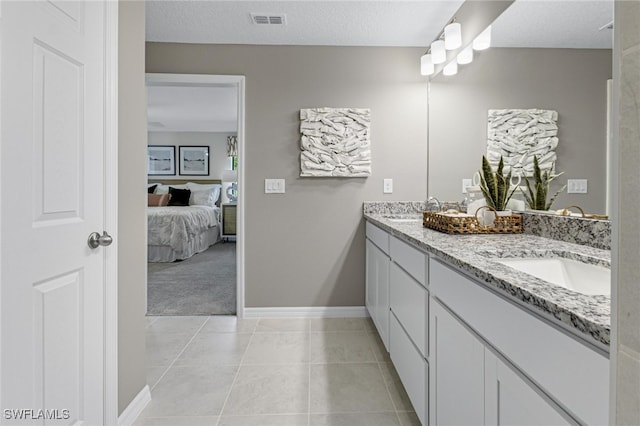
(52, 189)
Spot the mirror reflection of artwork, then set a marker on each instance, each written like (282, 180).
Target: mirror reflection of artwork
(161, 160)
(520, 134)
(335, 142)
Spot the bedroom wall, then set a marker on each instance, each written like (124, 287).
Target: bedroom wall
(132, 203)
(306, 247)
(217, 143)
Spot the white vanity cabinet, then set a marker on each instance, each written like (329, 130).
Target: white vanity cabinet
(512, 400)
(377, 279)
(409, 331)
(494, 393)
(457, 372)
(467, 354)
(541, 375)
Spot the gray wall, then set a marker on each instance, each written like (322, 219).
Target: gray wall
(306, 247)
(570, 81)
(626, 318)
(132, 203)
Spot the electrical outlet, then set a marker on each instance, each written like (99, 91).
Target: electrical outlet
(576, 186)
(387, 186)
(274, 186)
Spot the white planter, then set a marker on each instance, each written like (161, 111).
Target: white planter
(486, 217)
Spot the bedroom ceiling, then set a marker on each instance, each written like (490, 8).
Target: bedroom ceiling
(192, 109)
(526, 23)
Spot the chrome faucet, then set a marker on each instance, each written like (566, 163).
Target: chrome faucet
(433, 204)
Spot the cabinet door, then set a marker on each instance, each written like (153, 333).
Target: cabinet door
(457, 362)
(513, 400)
(377, 288)
(371, 280)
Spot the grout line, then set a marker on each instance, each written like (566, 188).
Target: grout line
(372, 343)
(235, 378)
(178, 356)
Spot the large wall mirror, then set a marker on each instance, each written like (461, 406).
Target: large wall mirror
(547, 55)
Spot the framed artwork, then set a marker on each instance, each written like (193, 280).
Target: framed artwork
(161, 160)
(194, 160)
(335, 142)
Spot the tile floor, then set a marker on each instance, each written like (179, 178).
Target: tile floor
(286, 372)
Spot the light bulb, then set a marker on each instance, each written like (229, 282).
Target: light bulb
(483, 41)
(426, 65)
(465, 56)
(452, 36)
(438, 53)
(451, 68)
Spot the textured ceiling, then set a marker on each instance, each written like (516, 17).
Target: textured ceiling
(176, 108)
(526, 23)
(559, 23)
(310, 22)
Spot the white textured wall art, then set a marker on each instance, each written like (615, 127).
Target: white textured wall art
(335, 142)
(519, 134)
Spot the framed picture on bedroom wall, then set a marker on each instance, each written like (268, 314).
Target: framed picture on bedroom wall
(194, 160)
(161, 160)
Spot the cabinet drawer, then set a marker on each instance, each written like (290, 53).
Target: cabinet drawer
(556, 362)
(378, 237)
(410, 303)
(412, 368)
(410, 259)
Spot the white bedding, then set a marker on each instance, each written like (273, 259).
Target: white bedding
(181, 229)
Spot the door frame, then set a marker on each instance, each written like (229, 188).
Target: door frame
(238, 81)
(110, 161)
(111, 410)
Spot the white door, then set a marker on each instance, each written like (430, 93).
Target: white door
(52, 133)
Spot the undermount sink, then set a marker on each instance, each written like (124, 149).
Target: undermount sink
(580, 277)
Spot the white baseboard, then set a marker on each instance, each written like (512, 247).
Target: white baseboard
(135, 407)
(308, 312)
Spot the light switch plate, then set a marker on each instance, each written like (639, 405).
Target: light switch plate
(387, 186)
(577, 186)
(274, 186)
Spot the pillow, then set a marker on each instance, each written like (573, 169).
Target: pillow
(199, 187)
(179, 197)
(158, 200)
(164, 189)
(151, 188)
(203, 198)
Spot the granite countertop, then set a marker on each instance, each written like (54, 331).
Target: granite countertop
(588, 317)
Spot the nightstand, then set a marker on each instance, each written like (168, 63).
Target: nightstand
(229, 220)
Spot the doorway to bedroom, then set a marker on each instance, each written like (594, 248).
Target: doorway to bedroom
(194, 227)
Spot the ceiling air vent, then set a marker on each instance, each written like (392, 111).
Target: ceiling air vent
(262, 19)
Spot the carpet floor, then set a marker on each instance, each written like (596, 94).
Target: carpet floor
(204, 284)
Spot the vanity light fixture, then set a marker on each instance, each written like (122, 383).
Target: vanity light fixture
(483, 40)
(426, 64)
(450, 69)
(465, 56)
(438, 52)
(452, 36)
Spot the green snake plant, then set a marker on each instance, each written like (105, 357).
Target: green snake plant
(536, 196)
(495, 185)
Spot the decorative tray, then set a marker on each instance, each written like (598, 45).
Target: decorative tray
(454, 222)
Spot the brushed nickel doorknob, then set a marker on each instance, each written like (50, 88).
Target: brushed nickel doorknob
(96, 240)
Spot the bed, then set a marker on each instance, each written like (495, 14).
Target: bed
(179, 232)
